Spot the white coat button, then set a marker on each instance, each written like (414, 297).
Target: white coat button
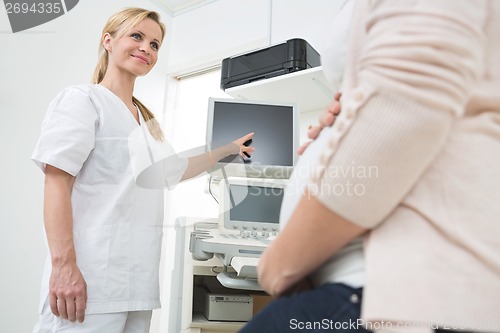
(332, 144)
(358, 96)
(341, 127)
(314, 178)
(318, 173)
(349, 113)
(324, 158)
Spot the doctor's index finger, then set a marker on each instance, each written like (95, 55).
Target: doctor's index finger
(249, 136)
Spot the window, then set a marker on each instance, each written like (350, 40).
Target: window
(191, 198)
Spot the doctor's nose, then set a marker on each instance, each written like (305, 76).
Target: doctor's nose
(145, 48)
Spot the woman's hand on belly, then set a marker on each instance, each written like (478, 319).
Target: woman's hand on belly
(327, 118)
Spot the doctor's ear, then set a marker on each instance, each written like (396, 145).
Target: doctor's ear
(106, 41)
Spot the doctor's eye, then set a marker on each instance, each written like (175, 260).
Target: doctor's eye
(155, 46)
(136, 36)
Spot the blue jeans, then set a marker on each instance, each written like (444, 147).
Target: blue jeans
(328, 308)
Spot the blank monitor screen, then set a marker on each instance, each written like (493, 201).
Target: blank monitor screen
(252, 204)
(259, 204)
(274, 124)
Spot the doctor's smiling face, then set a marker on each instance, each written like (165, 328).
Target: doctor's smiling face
(130, 43)
(136, 51)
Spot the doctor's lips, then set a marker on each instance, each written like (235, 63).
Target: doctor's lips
(141, 58)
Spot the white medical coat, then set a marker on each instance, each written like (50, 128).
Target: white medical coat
(117, 224)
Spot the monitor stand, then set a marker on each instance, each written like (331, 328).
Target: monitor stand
(225, 170)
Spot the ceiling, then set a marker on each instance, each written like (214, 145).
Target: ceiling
(175, 7)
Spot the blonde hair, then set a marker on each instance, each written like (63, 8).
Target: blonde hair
(116, 26)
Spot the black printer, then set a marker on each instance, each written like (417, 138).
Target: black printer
(291, 56)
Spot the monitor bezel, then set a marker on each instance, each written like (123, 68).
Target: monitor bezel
(222, 170)
(225, 204)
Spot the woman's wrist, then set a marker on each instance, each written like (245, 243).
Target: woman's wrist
(62, 258)
(217, 154)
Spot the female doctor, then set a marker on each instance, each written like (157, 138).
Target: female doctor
(104, 231)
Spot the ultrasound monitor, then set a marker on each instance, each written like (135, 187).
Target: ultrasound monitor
(251, 204)
(275, 140)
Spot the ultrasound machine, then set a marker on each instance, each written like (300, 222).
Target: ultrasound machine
(249, 190)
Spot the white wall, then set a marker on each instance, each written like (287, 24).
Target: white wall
(34, 66)
(220, 29)
(303, 19)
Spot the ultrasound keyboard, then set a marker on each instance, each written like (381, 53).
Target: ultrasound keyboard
(241, 250)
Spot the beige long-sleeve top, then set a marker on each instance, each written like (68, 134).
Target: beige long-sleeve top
(418, 142)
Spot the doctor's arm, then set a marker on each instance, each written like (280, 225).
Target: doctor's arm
(68, 289)
(302, 247)
(203, 162)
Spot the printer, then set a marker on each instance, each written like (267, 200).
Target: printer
(291, 56)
